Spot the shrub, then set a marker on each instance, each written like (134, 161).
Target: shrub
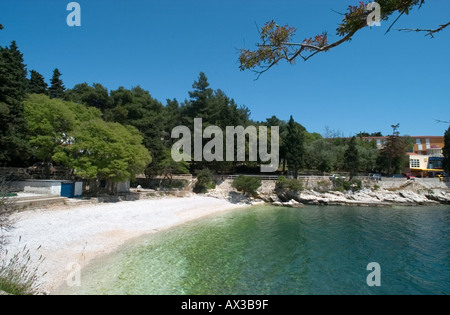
(323, 186)
(288, 189)
(355, 185)
(176, 184)
(291, 184)
(248, 185)
(343, 185)
(338, 184)
(205, 181)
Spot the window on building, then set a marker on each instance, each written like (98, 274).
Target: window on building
(379, 143)
(419, 144)
(434, 152)
(414, 163)
(436, 163)
(428, 143)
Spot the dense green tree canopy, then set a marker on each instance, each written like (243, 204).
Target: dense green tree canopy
(137, 108)
(51, 123)
(76, 136)
(92, 120)
(105, 151)
(95, 95)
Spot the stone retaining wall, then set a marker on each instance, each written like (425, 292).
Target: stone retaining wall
(430, 183)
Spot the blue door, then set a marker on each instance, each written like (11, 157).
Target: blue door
(67, 190)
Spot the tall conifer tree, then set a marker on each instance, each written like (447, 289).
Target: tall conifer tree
(57, 88)
(199, 99)
(351, 158)
(14, 148)
(295, 147)
(36, 84)
(446, 151)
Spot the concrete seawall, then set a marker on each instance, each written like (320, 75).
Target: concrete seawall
(30, 203)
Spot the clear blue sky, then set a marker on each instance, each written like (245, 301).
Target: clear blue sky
(366, 85)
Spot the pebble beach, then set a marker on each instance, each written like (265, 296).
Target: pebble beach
(74, 236)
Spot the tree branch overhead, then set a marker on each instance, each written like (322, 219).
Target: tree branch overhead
(276, 42)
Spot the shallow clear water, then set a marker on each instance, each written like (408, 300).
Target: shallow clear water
(273, 250)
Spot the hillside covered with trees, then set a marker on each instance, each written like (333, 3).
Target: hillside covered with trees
(114, 135)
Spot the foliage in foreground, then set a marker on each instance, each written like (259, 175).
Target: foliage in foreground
(5, 211)
(19, 275)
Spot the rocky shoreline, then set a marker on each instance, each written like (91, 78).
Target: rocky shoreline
(368, 197)
(413, 194)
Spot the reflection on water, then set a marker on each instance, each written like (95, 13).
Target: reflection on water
(267, 250)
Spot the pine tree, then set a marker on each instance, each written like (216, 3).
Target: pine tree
(13, 79)
(199, 98)
(295, 149)
(57, 88)
(36, 84)
(446, 151)
(351, 158)
(14, 148)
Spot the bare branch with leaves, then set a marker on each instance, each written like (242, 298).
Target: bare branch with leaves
(429, 32)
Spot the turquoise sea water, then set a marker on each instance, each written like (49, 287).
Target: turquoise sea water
(272, 250)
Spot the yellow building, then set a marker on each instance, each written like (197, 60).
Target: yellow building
(425, 165)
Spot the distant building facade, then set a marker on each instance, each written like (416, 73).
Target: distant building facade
(424, 145)
(425, 158)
